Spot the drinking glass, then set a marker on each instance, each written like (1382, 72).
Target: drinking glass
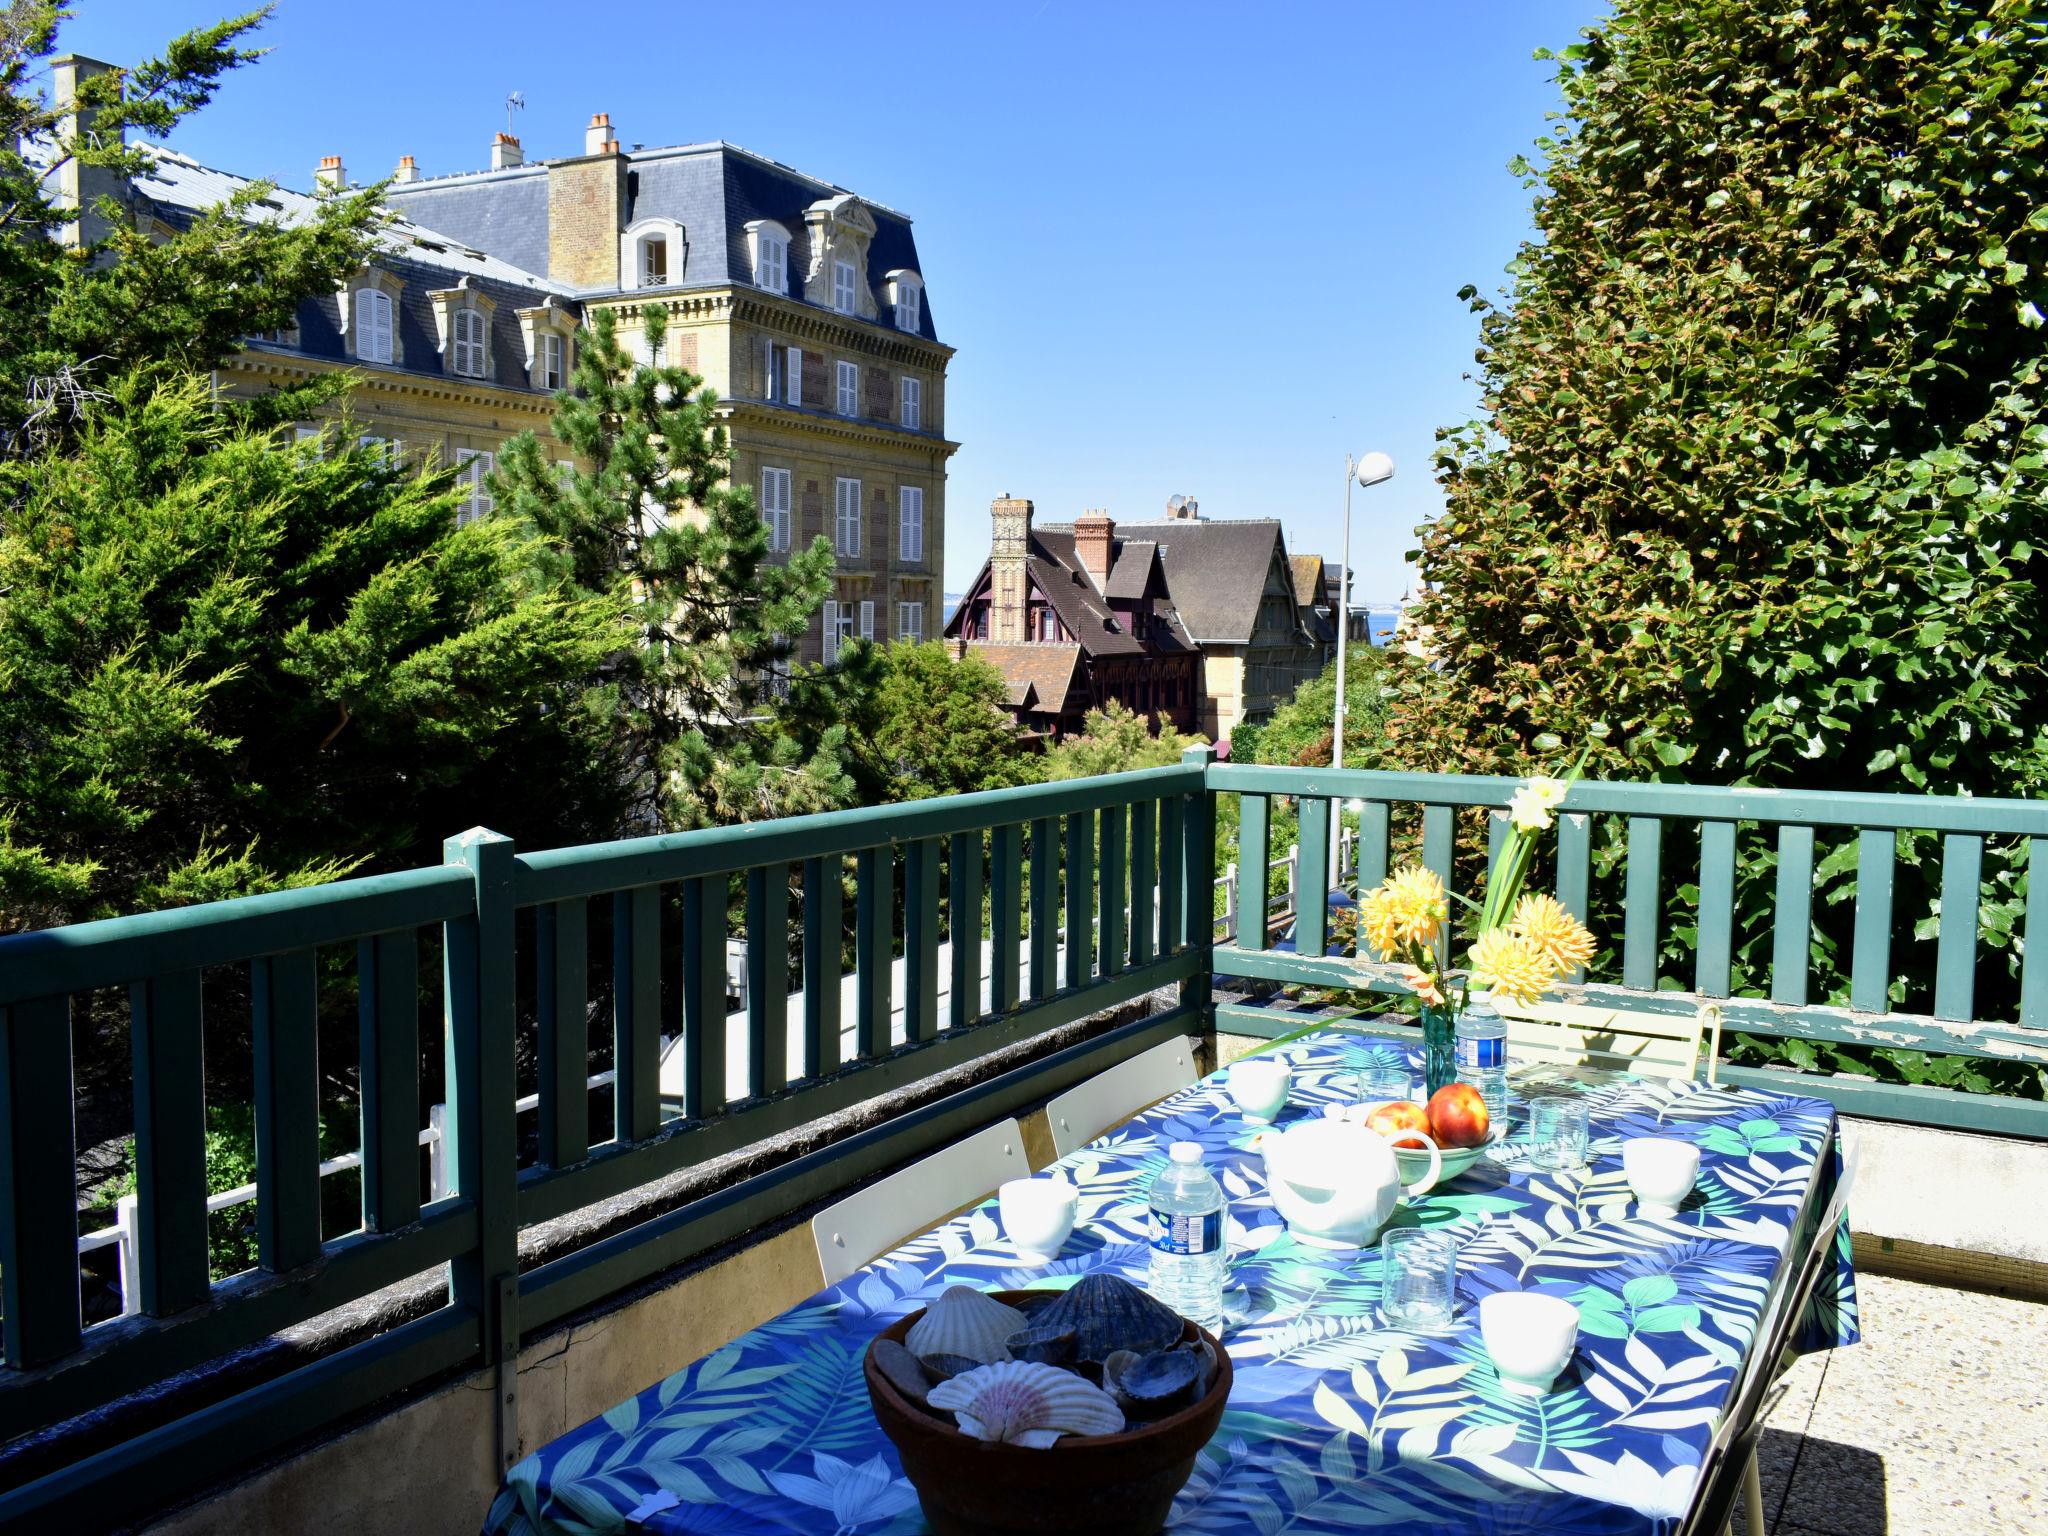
(1382, 1082)
(1418, 1276)
(1558, 1133)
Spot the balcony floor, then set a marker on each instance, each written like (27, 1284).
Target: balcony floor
(1935, 1425)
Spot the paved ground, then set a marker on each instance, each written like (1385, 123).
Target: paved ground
(1935, 1425)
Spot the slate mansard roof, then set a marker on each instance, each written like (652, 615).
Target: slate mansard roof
(713, 190)
(1215, 570)
(178, 188)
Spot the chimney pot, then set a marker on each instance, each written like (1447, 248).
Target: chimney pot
(1094, 538)
(408, 170)
(505, 152)
(331, 177)
(598, 138)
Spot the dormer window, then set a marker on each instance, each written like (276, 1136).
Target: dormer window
(654, 253)
(906, 297)
(654, 262)
(554, 369)
(842, 287)
(373, 327)
(771, 270)
(466, 344)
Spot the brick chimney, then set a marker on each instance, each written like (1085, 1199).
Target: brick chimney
(505, 152)
(598, 138)
(1008, 582)
(331, 177)
(80, 187)
(1094, 536)
(408, 170)
(587, 210)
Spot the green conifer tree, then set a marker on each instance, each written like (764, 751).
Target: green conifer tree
(716, 722)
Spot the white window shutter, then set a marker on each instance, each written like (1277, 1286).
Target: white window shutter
(867, 621)
(831, 631)
(793, 386)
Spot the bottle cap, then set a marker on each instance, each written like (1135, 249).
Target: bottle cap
(1185, 1151)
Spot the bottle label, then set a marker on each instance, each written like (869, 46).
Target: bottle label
(1184, 1234)
(1482, 1054)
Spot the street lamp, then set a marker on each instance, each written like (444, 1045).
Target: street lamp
(1368, 471)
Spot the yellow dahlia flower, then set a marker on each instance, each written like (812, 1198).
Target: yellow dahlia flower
(1511, 965)
(1408, 909)
(1546, 924)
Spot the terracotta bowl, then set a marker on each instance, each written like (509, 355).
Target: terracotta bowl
(1098, 1485)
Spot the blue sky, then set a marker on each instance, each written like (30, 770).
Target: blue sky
(1185, 247)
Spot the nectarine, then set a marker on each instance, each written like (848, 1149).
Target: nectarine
(1457, 1116)
(1399, 1120)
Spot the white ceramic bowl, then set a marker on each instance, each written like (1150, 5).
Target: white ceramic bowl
(1529, 1336)
(1259, 1085)
(1661, 1170)
(1038, 1216)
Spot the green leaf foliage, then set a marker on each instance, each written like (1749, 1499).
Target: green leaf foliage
(936, 726)
(1116, 740)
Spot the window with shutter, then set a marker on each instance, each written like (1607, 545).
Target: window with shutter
(473, 470)
(867, 621)
(554, 361)
(373, 325)
(842, 287)
(794, 394)
(831, 631)
(771, 272)
(909, 523)
(910, 621)
(775, 507)
(849, 389)
(846, 522)
(913, 405)
(906, 308)
(467, 346)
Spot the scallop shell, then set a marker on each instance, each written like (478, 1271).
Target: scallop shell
(964, 1322)
(1152, 1386)
(900, 1367)
(1021, 1402)
(1048, 1346)
(1108, 1313)
(945, 1367)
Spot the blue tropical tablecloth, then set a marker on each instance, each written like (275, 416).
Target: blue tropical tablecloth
(1336, 1422)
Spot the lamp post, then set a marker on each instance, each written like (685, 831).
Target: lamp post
(1367, 471)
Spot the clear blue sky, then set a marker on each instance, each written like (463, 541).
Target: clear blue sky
(1180, 247)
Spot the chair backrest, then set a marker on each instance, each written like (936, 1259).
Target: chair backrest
(914, 1199)
(1646, 1044)
(1734, 1442)
(1112, 1096)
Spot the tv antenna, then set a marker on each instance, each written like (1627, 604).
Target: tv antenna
(516, 102)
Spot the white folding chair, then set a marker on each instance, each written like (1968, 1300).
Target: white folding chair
(917, 1198)
(1611, 1039)
(1112, 1096)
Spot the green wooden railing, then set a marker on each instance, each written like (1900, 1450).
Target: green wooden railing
(1080, 895)
(1140, 926)
(1791, 820)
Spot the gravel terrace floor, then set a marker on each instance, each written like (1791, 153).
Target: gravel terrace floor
(1937, 1422)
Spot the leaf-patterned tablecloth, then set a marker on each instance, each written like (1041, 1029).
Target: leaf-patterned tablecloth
(1336, 1422)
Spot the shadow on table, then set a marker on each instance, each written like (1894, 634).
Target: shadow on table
(1819, 1486)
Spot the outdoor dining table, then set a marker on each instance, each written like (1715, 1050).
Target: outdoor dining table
(1336, 1422)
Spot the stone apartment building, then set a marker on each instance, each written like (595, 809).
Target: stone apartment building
(801, 303)
(1206, 622)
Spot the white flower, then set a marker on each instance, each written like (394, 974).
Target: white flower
(1532, 806)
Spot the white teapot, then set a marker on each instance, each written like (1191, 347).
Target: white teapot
(1335, 1182)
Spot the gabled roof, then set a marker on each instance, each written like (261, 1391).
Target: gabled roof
(1041, 677)
(1132, 572)
(1215, 570)
(1308, 579)
(1057, 572)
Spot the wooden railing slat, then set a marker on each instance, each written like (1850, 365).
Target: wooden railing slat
(1198, 865)
(1045, 907)
(1497, 825)
(1254, 854)
(1173, 896)
(921, 939)
(703, 1047)
(1955, 963)
(1713, 954)
(1641, 903)
(1792, 916)
(285, 1056)
(874, 904)
(1006, 917)
(1871, 961)
(2034, 963)
(1372, 845)
(1144, 880)
(767, 978)
(388, 1010)
(1110, 891)
(562, 984)
(636, 1012)
(1080, 898)
(38, 1183)
(963, 930)
(1574, 872)
(1437, 844)
(1312, 877)
(824, 924)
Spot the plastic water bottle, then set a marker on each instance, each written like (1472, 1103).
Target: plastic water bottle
(1481, 1049)
(1188, 1257)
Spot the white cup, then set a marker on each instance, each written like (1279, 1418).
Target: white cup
(1661, 1171)
(1038, 1215)
(1259, 1085)
(1529, 1336)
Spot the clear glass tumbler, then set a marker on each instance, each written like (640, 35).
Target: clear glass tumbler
(1383, 1082)
(1418, 1278)
(1558, 1132)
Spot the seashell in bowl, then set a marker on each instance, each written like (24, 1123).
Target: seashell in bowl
(1047, 1346)
(1152, 1386)
(905, 1374)
(1108, 1313)
(963, 1321)
(945, 1367)
(1021, 1402)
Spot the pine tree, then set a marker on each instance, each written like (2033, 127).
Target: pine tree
(716, 721)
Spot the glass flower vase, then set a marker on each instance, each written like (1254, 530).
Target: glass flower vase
(1439, 1047)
